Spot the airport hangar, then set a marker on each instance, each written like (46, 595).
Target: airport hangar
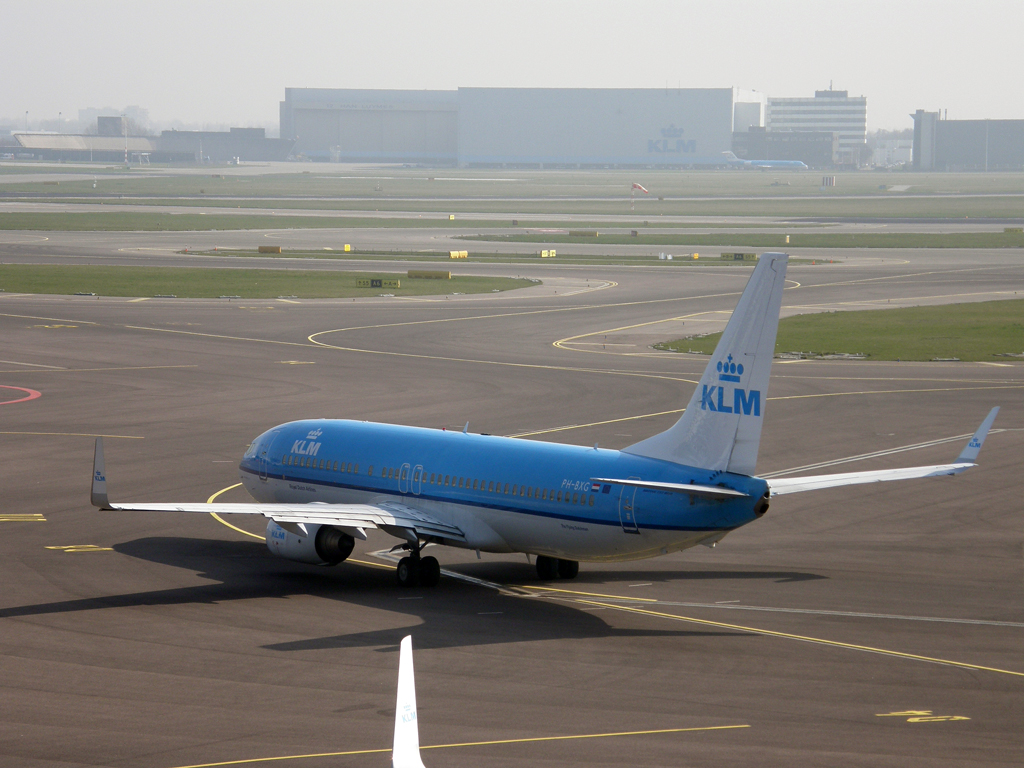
(521, 127)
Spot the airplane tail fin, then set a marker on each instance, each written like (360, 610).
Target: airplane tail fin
(721, 426)
(406, 750)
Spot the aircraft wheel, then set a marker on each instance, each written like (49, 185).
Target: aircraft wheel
(568, 569)
(547, 567)
(408, 572)
(430, 571)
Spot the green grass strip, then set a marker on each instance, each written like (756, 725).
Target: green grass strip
(983, 331)
(796, 240)
(245, 283)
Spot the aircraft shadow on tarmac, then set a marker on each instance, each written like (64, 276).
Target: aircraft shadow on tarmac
(455, 614)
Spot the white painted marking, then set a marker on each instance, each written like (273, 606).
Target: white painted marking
(33, 365)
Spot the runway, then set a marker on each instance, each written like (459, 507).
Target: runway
(877, 625)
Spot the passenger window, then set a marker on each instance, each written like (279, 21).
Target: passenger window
(575, 497)
(513, 490)
(591, 501)
(476, 484)
(355, 469)
(405, 473)
(559, 496)
(432, 476)
(370, 471)
(461, 481)
(529, 493)
(490, 487)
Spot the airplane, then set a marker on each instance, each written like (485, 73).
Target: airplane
(323, 483)
(405, 752)
(795, 165)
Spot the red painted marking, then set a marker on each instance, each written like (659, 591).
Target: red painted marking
(32, 395)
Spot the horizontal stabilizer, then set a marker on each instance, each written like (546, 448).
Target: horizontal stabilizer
(710, 491)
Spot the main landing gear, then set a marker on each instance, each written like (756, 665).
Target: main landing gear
(414, 570)
(549, 568)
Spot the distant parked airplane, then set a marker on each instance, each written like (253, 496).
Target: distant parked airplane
(323, 483)
(795, 165)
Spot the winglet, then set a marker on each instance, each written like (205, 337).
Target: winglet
(98, 497)
(970, 453)
(406, 750)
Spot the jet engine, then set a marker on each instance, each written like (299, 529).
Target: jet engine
(322, 545)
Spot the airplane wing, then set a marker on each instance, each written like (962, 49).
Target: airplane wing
(397, 519)
(963, 462)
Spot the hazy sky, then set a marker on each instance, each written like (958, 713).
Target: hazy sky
(229, 61)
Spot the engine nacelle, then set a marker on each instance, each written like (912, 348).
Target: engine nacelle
(324, 545)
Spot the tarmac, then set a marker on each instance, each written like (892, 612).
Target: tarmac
(876, 625)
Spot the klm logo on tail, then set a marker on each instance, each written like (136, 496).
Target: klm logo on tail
(715, 398)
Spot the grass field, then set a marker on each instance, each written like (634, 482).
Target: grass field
(144, 221)
(796, 240)
(983, 331)
(244, 283)
(697, 193)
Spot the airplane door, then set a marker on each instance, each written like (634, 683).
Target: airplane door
(627, 512)
(403, 478)
(262, 454)
(417, 479)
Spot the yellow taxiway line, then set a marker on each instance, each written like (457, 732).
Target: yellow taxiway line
(468, 744)
(802, 638)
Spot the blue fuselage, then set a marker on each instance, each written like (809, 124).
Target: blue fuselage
(507, 494)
